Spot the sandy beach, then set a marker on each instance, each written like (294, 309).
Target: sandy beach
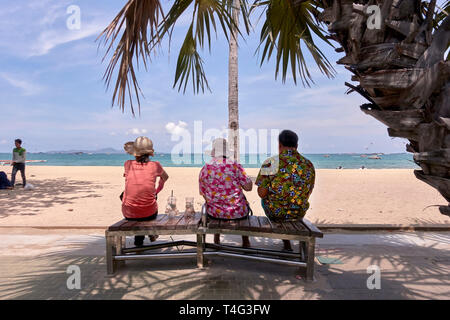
(89, 196)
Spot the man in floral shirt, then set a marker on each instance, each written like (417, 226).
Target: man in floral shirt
(285, 182)
(221, 183)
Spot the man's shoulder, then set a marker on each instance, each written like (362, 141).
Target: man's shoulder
(306, 161)
(270, 166)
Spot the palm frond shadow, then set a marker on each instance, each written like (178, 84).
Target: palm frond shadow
(414, 274)
(50, 192)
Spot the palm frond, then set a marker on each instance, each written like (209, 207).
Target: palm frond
(442, 12)
(207, 14)
(139, 20)
(288, 25)
(190, 64)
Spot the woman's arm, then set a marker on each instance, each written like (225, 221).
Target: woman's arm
(162, 179)
(248, 186)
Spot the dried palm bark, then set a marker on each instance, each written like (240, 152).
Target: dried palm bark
(402, 72)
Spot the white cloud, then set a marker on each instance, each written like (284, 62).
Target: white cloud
(49, 39)
(34, 28)
(136, 131)
(27, 87)
(176, 129)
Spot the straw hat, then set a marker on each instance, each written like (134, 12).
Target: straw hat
(220, 149)
(141, 146)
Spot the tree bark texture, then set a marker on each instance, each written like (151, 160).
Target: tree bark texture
(402, 72)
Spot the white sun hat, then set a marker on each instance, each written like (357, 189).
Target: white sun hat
(142, 145)
(220, 149)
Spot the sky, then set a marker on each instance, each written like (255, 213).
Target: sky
(53, 97)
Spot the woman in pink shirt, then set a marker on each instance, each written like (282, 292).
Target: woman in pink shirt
(221, 183)
(139, 198)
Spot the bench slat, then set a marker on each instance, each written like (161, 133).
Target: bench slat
(116, 226)
(229, 224)
(254, 223)
(290, 229)
(183, 222)
(244, 224)
(312, 228)
(192, 223)
(128, 225)
(265, 224)
(173, 223)
(213, 223)
(278, 227)
(143, 225)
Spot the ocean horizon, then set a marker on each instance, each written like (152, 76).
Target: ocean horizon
(320, 161)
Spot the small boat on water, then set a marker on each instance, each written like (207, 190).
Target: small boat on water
(374, 157)
(363, 156)
(5, 162)
(326, 156)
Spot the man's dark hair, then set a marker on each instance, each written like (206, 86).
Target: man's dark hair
(288, 139)
(18, 141)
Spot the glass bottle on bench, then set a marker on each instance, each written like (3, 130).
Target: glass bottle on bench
(190, 211)
(171, 208)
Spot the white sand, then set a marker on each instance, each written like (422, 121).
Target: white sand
(89, 196)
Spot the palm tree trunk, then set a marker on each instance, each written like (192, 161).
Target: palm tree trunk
(233, 101)
(401, 70)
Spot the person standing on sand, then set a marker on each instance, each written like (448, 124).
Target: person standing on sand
(18, 162)
(139, 198)
(285, 189)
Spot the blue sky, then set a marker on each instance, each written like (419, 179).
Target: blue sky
(53, 96)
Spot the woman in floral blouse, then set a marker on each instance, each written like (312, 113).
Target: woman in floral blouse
(221, 183)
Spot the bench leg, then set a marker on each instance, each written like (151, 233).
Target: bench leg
(110, 263)
(200, 249)
(119, 246)
(310, 259)
(303, 248)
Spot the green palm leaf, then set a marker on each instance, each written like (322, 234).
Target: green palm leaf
(207, 14)
(139, 20)
(288, 25)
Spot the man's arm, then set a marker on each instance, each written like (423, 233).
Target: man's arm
(262, 192)
(263, 182)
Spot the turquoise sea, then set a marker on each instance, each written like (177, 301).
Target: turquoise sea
(320, 161)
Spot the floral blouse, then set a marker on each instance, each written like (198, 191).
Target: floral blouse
(221, 184)
(289, 187)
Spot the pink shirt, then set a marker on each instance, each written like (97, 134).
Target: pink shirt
(221, 184)
(139, 198)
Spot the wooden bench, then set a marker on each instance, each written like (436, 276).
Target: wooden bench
(116, 251)
(301, 230)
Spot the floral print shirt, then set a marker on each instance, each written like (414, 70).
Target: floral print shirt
(221, 184)
(289, 187)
